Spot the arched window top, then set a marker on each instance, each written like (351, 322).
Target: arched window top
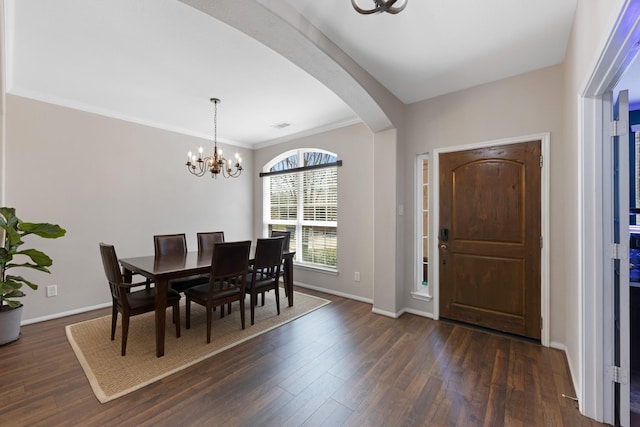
(301, 158)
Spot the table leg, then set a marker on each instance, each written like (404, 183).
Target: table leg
(161, 309)
(288, 279)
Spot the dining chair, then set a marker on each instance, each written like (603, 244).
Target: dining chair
(229, 264)
(287, 238)
(128, 301)
(265, 271)
(285, 248)
(176, 244)
(206, 240)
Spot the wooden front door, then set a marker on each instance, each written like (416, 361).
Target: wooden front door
(490, 237)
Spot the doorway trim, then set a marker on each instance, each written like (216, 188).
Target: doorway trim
(595, 397)
(544, 220)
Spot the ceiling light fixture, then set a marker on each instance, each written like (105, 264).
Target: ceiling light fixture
(381, 6)
(215, 164)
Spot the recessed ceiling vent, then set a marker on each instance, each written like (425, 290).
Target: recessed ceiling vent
(281, 125)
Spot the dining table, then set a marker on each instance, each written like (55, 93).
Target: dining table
(162, 269)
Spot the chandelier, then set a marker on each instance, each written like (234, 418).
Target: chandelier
(381, 6)
(215, 164)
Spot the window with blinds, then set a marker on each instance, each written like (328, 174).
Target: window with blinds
(301, 196)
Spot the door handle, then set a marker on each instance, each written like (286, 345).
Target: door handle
(443, 247)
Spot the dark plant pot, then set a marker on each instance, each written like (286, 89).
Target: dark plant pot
(10, 325)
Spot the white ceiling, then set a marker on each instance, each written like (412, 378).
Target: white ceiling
(435, 47)
(158, 62)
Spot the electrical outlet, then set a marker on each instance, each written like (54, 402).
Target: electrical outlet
(52, 291)
(356, 276)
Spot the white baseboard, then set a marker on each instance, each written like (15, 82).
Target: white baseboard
(418, 312)
(332, 292)
(64, 314)
(572, 372)
(401, 312)
(387, 313)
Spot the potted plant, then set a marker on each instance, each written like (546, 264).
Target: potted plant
(12, 257)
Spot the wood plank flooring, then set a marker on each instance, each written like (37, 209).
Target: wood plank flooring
(340, 365)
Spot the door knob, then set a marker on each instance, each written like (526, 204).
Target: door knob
(443, 247)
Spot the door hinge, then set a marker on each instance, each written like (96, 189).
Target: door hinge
(618, 251)
(541, 160)
(619, 128)
(541, 242)
(618, 375)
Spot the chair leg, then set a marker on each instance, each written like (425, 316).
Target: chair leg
(254, 299)
(277, 298)
(114, 321)
(209, 316)
(263, 299)
(242, 312)
(176, 317)
(188, 313)
(229, 309)
(125, 332)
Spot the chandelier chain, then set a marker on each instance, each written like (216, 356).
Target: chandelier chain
(215, 121)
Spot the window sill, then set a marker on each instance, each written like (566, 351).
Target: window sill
(422, 296)
(318, 269)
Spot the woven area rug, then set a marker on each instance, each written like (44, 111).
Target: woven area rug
(112, 376)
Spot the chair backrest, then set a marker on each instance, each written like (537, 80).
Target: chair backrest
(112, 270)
(170, 244)
(287, 238)
(229, 265)
(207, 240)
(268, 258)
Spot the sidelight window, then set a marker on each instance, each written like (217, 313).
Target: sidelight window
(422, 288)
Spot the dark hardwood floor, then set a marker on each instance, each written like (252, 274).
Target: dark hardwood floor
(340, 365)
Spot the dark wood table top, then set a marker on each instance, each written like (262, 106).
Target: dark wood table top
(169, 265)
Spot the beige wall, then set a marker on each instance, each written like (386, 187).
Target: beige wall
(106, 180)
(354, 146)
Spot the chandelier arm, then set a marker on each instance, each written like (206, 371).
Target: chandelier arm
(194, 170)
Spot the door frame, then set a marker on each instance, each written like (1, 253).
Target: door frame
(594, 390)
(434, 194)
